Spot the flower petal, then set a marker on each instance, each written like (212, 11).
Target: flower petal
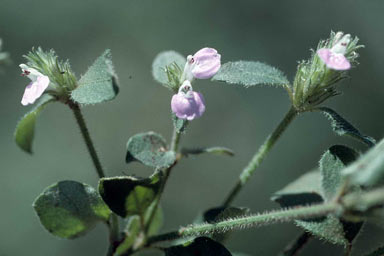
(206, 64)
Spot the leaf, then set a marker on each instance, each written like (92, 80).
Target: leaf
(99, 83)
(157, 221)
(25, 129)
(164, 60)
(303, 191)
(368, 170)
(127, 196)
(69, 209)
(179, 124)
(203, 246)
(250, 73)
(150, 149)
(342, 127)
(132, 232)
(331, 164)
(211, 150)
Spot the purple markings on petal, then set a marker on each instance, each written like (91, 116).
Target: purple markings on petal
(36, 88)
(205, 63)
(336, 61)
(188, 106)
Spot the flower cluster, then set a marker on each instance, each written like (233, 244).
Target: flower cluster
(316, 78)
(188, 104)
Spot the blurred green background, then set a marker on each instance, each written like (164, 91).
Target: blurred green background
(279, 33)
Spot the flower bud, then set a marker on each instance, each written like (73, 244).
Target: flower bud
(203, 64)
(187, 104)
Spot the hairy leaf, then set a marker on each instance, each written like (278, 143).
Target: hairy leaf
(199, 246)
(69, 209)
(211, 150)
(250, 73)
(99, 83)
(368, 170)
(25, 129)
(127, 196)
(342, 127)
(150, 149)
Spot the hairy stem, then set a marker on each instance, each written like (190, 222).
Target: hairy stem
(354, 201)
(293, 248)
(113, 224)
(260, 155)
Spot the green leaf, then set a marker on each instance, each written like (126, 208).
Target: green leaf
(368, 170)
(99, 83)
(331, 164)
(305, 190)
(211, 150)
(25, 129)
(127, 196)
(250, 73)
(150, 149)
(342, 127)
(132, 232)
(157, 221)
(179, 124)
(68, 209)
(378, 252)
(162, 62)
(199, 246)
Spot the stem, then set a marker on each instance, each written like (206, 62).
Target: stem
(260, 155)
(279, 216)
(113, 224)
(87, 138)
(295, 246)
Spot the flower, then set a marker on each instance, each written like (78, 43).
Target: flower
(334, 57)
(35, 88)
(204, 64)
(187, 104)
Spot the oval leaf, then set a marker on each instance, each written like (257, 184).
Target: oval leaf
(199, 246)
(68, 209)
(150, 149)
(250, 73)
(25, 129)
(99, 83)
(127, 196)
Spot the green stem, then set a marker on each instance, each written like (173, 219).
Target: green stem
(87, 138)
(113, 223)
(279, 216)
(260, 155)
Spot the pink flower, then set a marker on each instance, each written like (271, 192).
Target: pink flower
(36, 87)
(203, 64)
(187, 104)
(334, 58)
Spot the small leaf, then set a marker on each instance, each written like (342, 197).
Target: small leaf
(157, 221)
(305, 190)
(132, 232)
(150, 149)
(250, 73)
(25, 129)
(179, 124)
(162, 61)
(199, 246)
(127, 196)
(368, 170)
(69, 209)
(99, 83)
(211, 150)
(331, 164)
(342, 127)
